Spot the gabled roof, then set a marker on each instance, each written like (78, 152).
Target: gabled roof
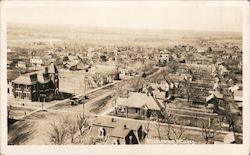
(159, 95)
(210, 97)
(121, 101)
(23, 79)
(120, 132)
(115, 128)
(105, 122)
(138, 100)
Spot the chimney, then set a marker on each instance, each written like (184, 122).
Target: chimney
(46, 70)
(113, 120)
(33, 78)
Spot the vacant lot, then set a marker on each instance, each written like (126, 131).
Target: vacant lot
(35, 129)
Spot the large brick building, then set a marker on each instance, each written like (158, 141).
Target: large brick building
(41, 85)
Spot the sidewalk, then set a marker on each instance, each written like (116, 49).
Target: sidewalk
(163, 124)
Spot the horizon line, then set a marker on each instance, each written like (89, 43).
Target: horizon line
(120, 27)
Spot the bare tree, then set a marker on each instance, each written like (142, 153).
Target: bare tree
(188, 88)
(65, 129)
(173, 132)
(168, 131)
(59, 133)
(82, 123)
(72, 129)
(178, 132)
(208, 131)
(146, 127)
(168, 117)
(230, 118)
(137, 84)
(158, 126)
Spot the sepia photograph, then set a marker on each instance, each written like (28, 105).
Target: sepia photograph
(102, 74)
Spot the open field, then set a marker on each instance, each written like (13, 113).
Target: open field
(110, 36)
(71, 82)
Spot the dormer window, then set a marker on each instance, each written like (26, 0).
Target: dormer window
(101, 132)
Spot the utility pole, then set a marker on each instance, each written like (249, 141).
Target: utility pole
(43, 102)
(84, 95)
(43, 97)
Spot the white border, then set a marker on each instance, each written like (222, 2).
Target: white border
(141, 149)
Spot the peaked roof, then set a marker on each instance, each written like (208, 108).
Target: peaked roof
(25, 78)
(121, 132)
(105, 122)
(138, 100)
(159, 94)
(121, 101)
(210, 97)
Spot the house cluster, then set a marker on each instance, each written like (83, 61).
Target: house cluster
(24, 60)
(148, 103)
(237, 93)
(71, 62)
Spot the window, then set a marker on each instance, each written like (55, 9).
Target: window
(116, 141)
(130, 140)
(101, 132)
(19, 94)
(26, 95)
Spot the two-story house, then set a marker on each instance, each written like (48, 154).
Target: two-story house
(37, 86)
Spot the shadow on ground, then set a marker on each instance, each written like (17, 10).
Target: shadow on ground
(20, 132)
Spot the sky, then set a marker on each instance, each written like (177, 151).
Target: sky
(177, 18)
